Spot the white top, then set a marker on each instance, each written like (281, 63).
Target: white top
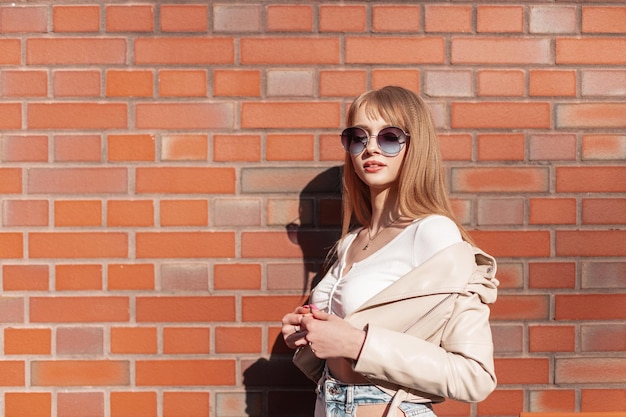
(342, 294)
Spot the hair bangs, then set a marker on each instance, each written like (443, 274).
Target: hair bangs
(376, 104)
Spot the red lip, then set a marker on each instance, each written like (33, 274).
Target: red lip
(373, 166)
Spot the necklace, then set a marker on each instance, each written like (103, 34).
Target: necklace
(369, 233)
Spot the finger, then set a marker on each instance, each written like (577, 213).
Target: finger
(291, 319)
(295, 340)
(303, 310)
(306, 322)
(320, 315)
(288, 329)
(300, 342)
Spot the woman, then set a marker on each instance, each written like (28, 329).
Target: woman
(401, 320)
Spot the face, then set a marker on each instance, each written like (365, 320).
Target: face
(373, 168)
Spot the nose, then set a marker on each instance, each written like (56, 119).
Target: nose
(372, 144)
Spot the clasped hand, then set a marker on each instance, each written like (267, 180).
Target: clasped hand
(329, 336)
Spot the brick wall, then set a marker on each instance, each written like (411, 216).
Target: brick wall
(152, 154)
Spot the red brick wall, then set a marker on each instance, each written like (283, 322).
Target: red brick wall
(152, 153)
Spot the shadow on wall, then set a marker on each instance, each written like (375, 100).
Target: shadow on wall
(274, 386)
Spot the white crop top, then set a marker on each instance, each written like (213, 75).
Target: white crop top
(341, 295)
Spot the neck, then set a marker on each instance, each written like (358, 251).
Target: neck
(381, 229)
(384, 210)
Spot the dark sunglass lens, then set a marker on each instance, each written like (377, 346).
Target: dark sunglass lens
(353, 140)
(390, 140)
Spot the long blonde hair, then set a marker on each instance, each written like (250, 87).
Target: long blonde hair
(421, 187)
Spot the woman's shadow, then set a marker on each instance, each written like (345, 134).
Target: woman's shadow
(274, 386)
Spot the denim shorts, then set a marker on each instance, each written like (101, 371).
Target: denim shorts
(336, 399)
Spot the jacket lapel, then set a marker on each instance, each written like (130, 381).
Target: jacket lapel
(448, 271)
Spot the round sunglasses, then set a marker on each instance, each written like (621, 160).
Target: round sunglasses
(390, 140)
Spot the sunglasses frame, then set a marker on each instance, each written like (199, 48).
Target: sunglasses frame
(346, 143)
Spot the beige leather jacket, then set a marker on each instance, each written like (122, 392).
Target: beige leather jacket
(428, 334)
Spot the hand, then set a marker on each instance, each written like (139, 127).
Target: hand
(293, 331)
(331, 336)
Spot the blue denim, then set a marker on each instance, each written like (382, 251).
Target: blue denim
(342, 400)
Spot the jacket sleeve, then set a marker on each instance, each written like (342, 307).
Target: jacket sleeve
(461, 368)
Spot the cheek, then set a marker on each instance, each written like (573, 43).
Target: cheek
(396, 171)
(356, 167)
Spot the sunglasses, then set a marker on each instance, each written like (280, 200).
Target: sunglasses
(390, 140)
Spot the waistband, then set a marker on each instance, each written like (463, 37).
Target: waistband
(334, 393)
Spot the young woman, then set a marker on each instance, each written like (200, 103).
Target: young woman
(401, 320)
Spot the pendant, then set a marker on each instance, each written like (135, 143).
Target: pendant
(367, 246)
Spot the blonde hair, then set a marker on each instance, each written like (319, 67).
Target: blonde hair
(421, 187)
